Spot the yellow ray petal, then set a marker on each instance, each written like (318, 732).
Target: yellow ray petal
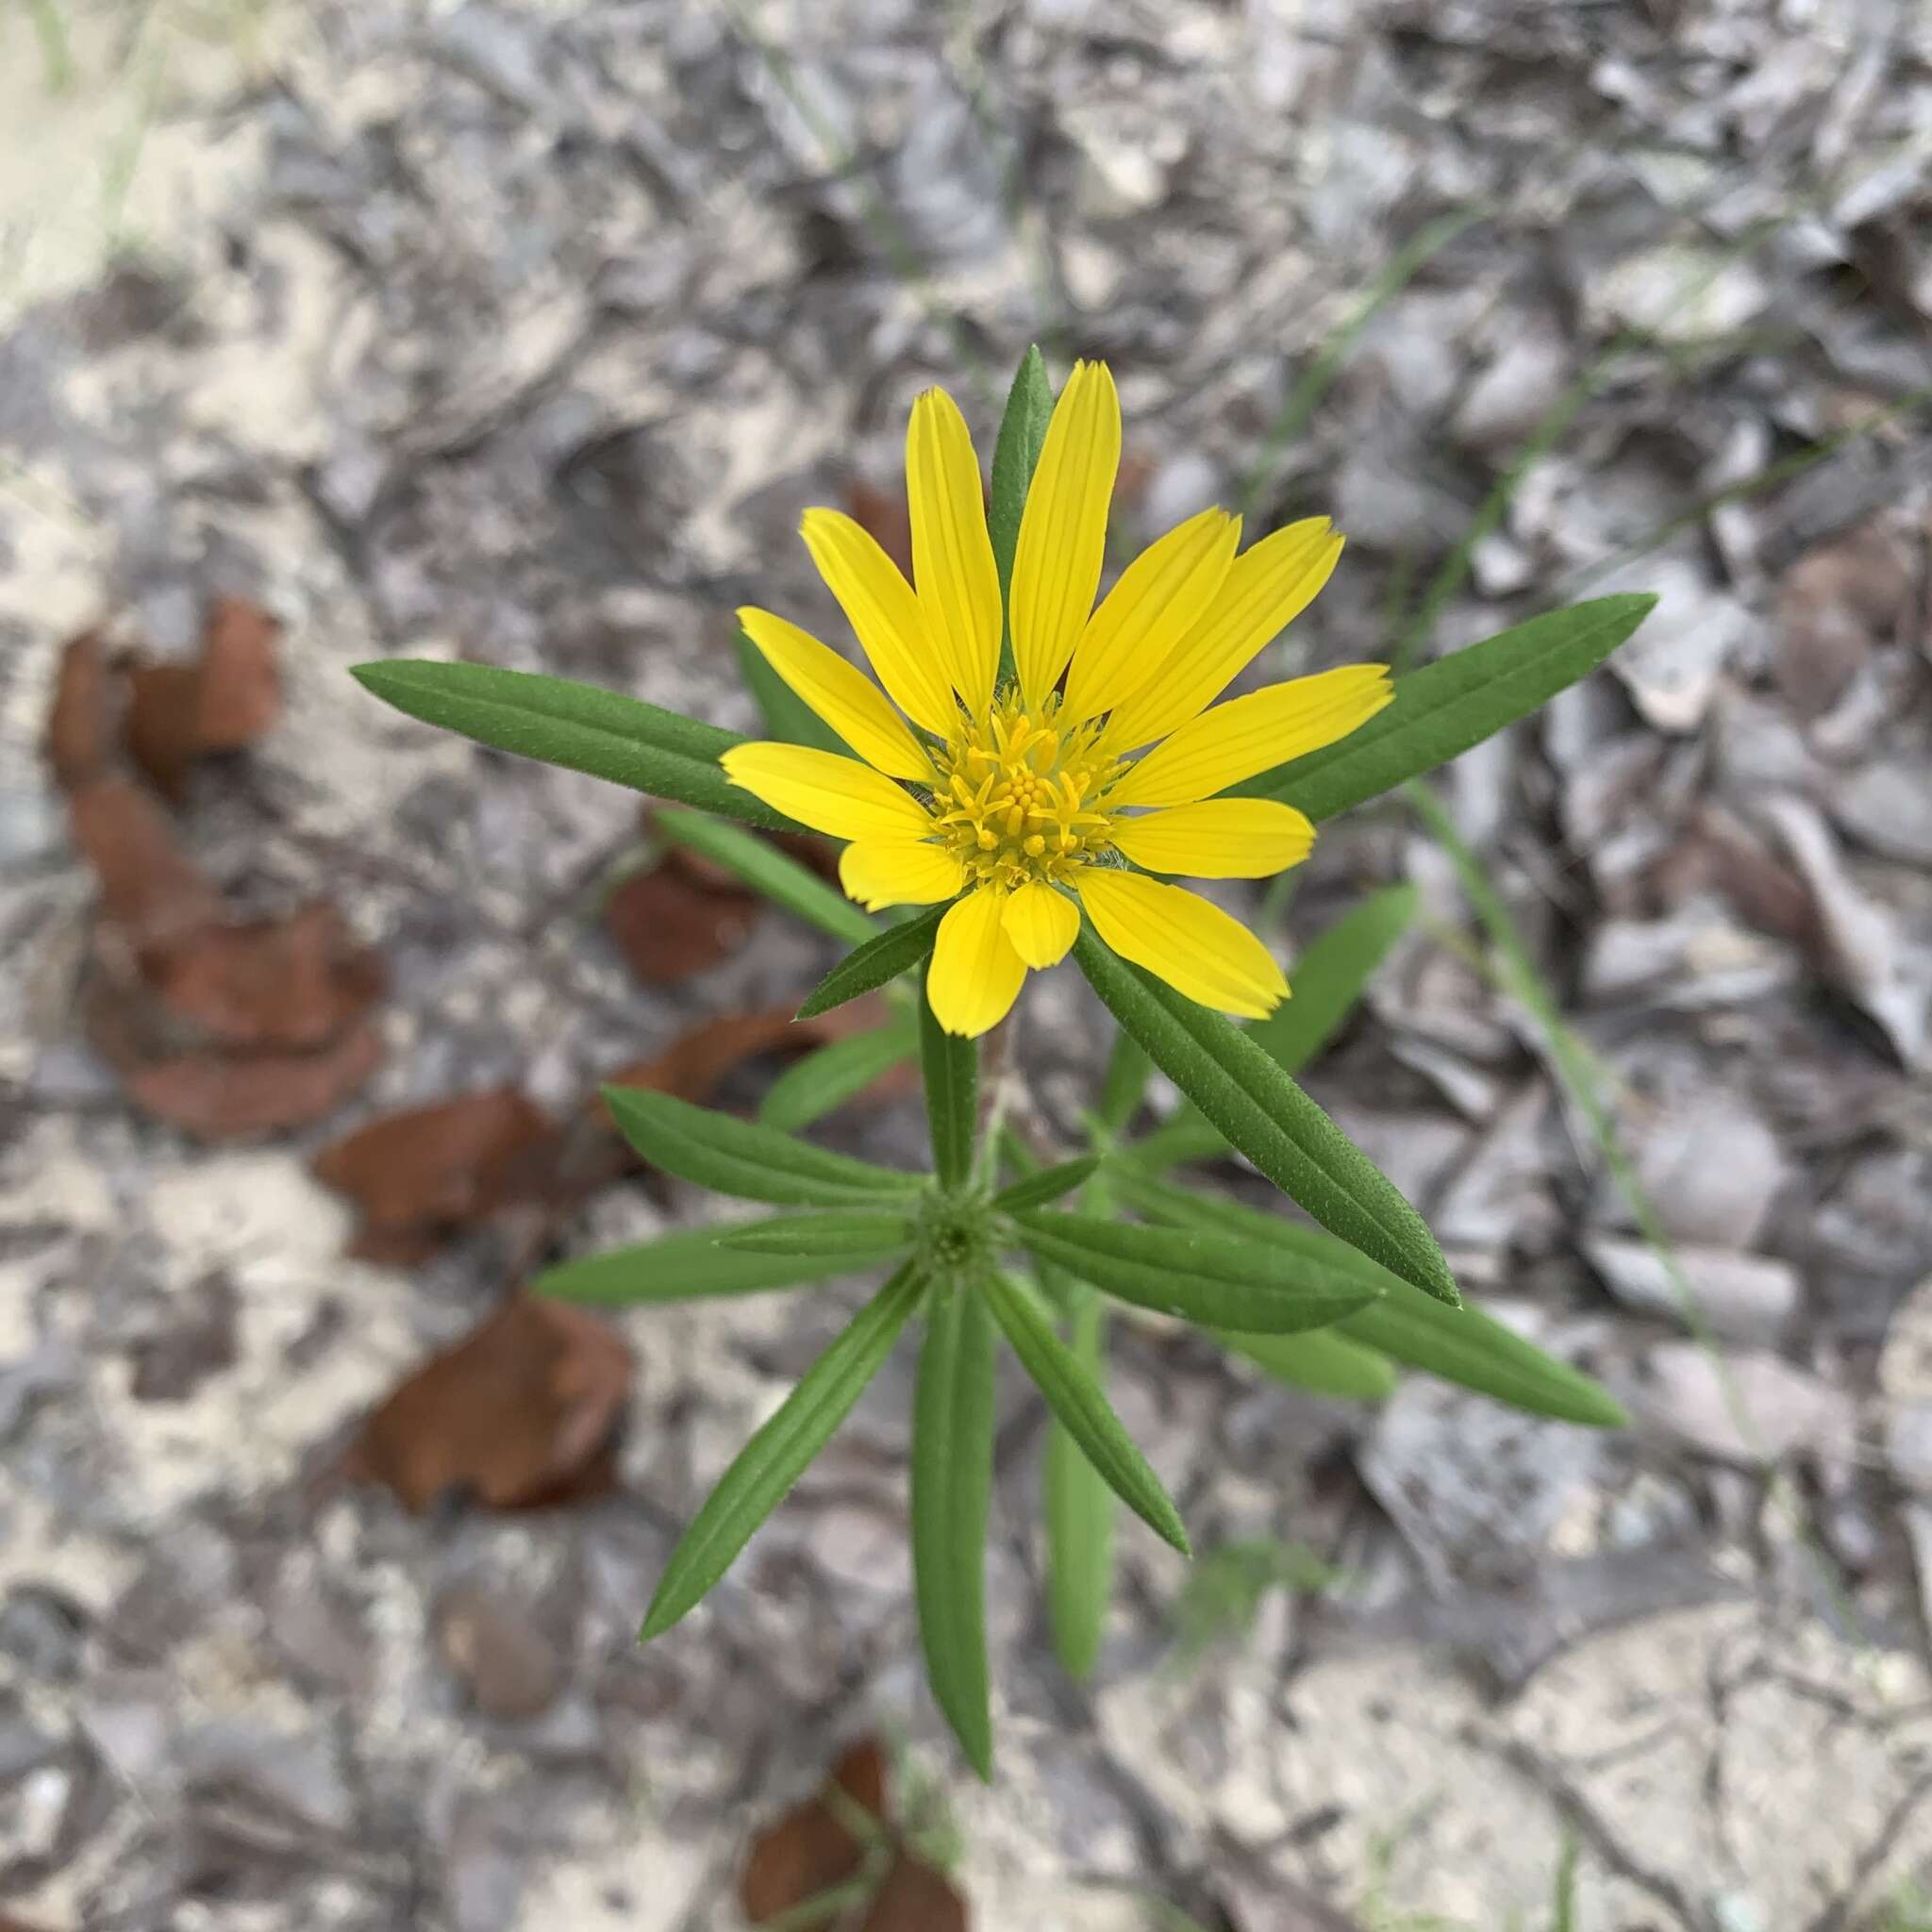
(899, 871)
(1063, 529)
(841, 695)
(1248, 735)
(1040, 922)
(1159, 598)
(1271, 583)
(885, 616)
(1218, 838)
(953, 568)
(1178, 937)
(974, 975)
(835, 795)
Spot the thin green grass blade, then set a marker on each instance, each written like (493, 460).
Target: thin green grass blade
(777, 1456)
(952, 1484)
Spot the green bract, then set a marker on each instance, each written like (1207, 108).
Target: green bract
(1334, 1308)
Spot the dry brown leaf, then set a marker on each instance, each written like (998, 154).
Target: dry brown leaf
(811, 1848)
(294, 982)
(417, 1173)
(83, 720)
(219, 1096)
(521, 1414)
(164, 724)
(883, 514)
(240, 683)
(150, 890)
(915, 1897)
(679, 919)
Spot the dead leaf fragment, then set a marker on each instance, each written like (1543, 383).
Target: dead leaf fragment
(427, 1169)
(521, 1413)
(164, 724)
(221, 1096)
(294, 982)
(150, 890)
(82, 721)
(811, 1848)
(240, 683)
(674, 921)
(915, 1897)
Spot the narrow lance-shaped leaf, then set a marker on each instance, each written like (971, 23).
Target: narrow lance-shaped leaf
(776, 1456)
(951, 1480)
(1323, 1360)
(951, 1068)
(1076, 1398)
(735, 1157)
(775, 874)
(787, 715)
(1461, 1345)
(896, 950)
(1328, 979)
(1079, 1510)
(1440, 712)
(831, 1074)
(686, 1266)
(856, 1235)
(1049, 1184)
(1216, 1280)
(1257, 1108)
(1015, 456)
(577, 725)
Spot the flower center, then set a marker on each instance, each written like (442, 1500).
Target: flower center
(1017, 798)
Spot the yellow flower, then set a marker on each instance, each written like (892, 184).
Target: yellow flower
(1011, 800)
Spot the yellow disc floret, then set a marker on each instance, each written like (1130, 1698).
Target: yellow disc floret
(1018, 800)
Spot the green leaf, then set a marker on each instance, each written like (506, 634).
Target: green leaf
(1329, 1363)
(1257, 1108)
(787, 715)
(1077, 1399)
(1079, 1511)
(1461, 1345)
(895, 950)
(1049, 1184)
(685, 1266)
(1443, 709)
(831, 1074)
(735, 1157)
(855, 1235)
(776, 1456)
(770, 871)
(1216, 1280)
(1015, 454)
(951, 1480)
(951, 1067)
(1328, 979)
(577, 725)
(1125, 1084)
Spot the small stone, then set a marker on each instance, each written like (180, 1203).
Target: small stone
(1751, 1409)
(1745, 1298)
(43, 1630)
(494, 1647)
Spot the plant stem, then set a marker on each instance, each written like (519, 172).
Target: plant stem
(997, 1093)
